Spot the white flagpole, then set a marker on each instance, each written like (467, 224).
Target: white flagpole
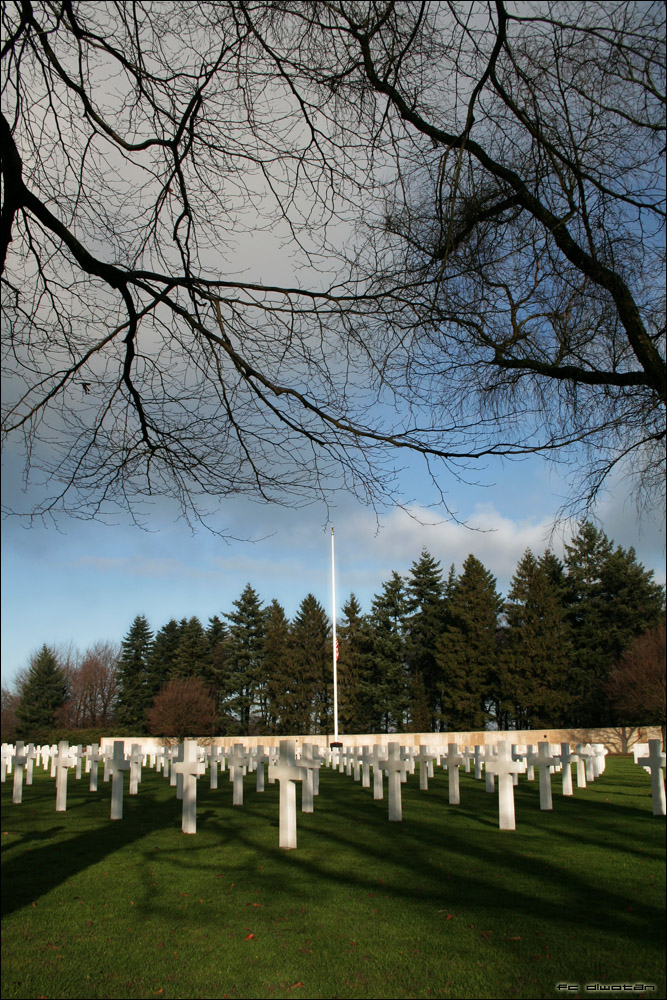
(333, 619)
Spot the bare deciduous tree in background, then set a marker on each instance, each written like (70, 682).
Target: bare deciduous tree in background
(474, 204)
(183, 708)
(638, 684)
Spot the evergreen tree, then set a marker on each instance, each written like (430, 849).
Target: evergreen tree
(354, 669)
(537, 649)
(467, 650)
(162, 656)
(386, 696)
(216, 671)
(278, 669)
(310, 696)
(191, 655)
(134, 681)
(43, 694)
(246, 677)
(611, 599)
(426, 619)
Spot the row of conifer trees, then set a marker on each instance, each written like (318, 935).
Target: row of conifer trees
(434, 652)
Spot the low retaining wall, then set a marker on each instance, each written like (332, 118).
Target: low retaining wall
(616, 740)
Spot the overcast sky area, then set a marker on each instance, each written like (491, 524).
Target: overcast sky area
(86, 581)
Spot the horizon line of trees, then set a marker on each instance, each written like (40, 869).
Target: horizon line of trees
(577, 642)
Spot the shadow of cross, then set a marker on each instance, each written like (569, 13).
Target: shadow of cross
(286, 771)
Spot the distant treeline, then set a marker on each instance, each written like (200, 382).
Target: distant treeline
(435, 652)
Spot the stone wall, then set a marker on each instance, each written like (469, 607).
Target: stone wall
(617, 740)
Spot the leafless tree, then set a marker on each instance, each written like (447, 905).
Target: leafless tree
(8, 716)
(91, 683)
(637, 686)
(473, 198)
(183, 708)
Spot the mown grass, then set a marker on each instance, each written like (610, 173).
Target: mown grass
(443, 904)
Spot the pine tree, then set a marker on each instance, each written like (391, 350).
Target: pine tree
(43, 694)
(134, 681)
(467, 651)
(426, 620)
(611, 599)
(245, 657)
(192, 651)
(310, 696)
(215, 673)
(537, 649)
(162, 656)
(354, 668)
(385, 699)
(278, 668)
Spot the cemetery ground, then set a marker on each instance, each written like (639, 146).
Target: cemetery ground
(443, 904)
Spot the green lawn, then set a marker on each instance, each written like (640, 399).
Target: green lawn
(443, 904)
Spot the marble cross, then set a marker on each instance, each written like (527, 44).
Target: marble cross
(566, 772)
(287, 772)
(136, 759)
(311, 762)
(94, 756)
(117, 764)
(544, 761)
(655, 762)
(189, 768)
(452, 761)
(395, 766)
(20, 759)
(424, 759)
(505, 768)
(61, 761)
(238, 761)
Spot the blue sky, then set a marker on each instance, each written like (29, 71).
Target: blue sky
(86, 581)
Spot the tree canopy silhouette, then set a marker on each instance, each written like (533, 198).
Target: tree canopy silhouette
(473, 204)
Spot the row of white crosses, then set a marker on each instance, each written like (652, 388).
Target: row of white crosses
(506, 763)
(654, 762)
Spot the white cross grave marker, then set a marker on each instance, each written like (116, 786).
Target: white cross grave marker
(424, 759)
(505, 768)
(452, 761)
(95, 755)
(312, 764)
(61, 762)
(117, 764)
(566, 773)
(377, 758)
(543, 760)
(395, 767)
(189, 768)
(656, 764)
(20, 759)
(287, 773)
(238, 760)
(136, 760)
